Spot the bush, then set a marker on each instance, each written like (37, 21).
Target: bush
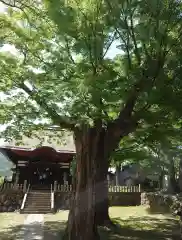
(159, 202)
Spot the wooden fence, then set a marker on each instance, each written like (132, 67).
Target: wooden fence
(124, 189)
(64, 188)
(68, 188)
(119, 189)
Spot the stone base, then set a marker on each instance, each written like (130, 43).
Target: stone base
(11, 200)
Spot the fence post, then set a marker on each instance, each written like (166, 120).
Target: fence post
(15, 186)
(25, 186)
(55, 186)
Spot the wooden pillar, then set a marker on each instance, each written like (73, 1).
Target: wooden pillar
(17, 177)
(25, 186)
(55, 186)
(118, 175)
(108, 179)
(65, 178)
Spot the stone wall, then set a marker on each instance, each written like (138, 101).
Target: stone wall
(10, 200)
(159, 202)
(62, 199)
(144, 199)
(124, 198)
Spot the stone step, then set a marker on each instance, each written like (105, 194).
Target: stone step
(40, 195)
(38, 207)
(35, 212)
(38, 202)
(39, 198)
(35, 198)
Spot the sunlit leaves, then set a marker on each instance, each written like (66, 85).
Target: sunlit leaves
(62, 53)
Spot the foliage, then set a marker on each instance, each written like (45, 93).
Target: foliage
(61, 73)
(154, 148)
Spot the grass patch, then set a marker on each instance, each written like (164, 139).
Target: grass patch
(133, 223)
(11, 225)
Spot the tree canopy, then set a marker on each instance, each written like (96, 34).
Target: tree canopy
(154, 150)
(60, 72)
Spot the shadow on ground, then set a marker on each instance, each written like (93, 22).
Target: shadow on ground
(21, 232)
(143, 228)
(133, 228)
(158, 210)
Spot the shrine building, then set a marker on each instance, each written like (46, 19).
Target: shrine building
(40, 166)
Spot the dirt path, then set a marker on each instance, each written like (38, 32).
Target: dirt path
(33, 227)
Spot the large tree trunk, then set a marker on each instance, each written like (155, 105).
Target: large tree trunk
(102, 202)
(161, 178)
(172, 176)
(89, 206)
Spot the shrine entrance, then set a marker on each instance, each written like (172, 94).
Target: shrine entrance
(42, 175)
(41, 166)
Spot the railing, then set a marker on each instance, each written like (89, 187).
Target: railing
(121, 189)
(52, 197)
(25, 198)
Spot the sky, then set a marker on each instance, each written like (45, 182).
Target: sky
(2, 7)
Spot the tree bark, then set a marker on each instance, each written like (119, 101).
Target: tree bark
(161, 178)
(172, 177)
(89, 204)
(172, 185)
(102, 202)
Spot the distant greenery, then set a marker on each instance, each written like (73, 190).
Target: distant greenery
(1, 180)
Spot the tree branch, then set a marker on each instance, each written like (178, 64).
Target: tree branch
(9, 4)
(136, 51)
(109, 44)
(126, 121)
(57, 119)
(68, 51)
